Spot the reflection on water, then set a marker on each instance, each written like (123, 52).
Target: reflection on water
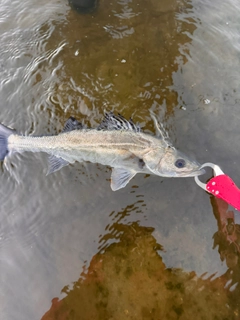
(227, 238)
(178, 58)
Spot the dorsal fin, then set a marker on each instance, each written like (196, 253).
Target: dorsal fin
(72, 124)
(117, 122)
(160, 130)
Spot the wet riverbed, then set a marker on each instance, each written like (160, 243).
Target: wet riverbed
(146, 251)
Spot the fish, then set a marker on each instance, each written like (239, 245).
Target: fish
(115, 142)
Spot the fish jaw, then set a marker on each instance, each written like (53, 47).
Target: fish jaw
(195, 172)
(183, 174)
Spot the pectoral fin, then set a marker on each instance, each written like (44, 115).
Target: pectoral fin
(55, 164)
(120, 177)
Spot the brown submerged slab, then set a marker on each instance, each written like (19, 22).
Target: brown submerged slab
(130, 281)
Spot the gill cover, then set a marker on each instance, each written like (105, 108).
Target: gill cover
(152, 159)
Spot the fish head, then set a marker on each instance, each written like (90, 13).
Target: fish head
(172, 163)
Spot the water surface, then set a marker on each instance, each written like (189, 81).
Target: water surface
(124, 254)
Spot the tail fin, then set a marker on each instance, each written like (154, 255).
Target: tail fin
(5, 132)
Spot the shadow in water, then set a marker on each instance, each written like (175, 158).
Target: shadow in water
(83, 6)
(127, 279)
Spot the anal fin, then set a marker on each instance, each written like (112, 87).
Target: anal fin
(55, 164)
(120, 177)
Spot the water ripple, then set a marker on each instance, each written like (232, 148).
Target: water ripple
(119, 32)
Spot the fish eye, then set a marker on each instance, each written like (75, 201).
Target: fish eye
(180, 163)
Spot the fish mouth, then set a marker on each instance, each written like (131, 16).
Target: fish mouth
(196, 172)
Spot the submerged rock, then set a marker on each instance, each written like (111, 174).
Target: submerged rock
(128, 280)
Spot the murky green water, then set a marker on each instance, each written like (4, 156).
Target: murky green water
(146, 251)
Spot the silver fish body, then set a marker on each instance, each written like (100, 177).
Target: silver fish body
(116, 142)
